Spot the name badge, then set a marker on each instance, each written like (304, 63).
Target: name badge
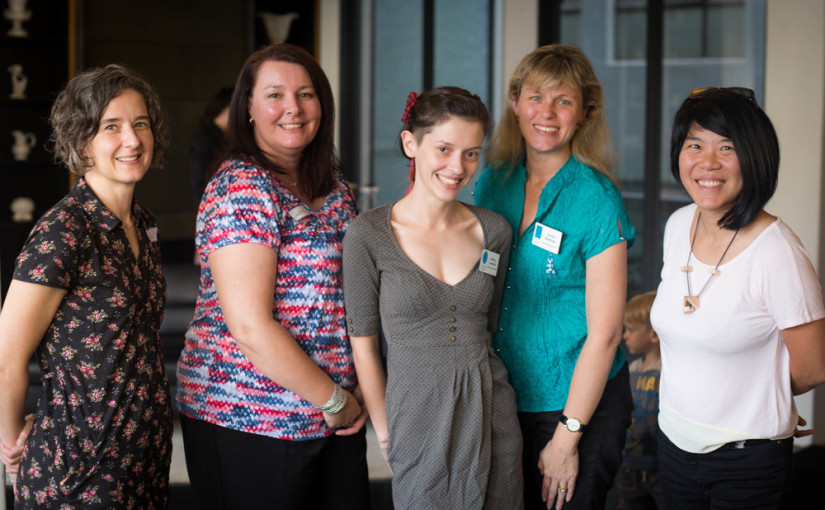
(489, 262)
(547, 238)
(152, 234)
(298, 212)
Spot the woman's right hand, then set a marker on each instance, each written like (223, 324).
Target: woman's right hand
(384, 444)
(10, 455)
(346, 416)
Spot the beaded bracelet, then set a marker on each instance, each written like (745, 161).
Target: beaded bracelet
(336, 402)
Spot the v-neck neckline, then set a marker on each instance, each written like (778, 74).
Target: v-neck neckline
(546, 196)
(420, 269)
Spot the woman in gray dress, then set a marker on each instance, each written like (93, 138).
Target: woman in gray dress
(428, 271)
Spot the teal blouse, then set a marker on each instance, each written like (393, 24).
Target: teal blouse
(542, 326)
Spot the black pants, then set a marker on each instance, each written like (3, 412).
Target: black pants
(229, 469)
(600, 448)
(752, 475)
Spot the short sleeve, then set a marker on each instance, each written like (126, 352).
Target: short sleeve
(361, 279)
(608, 222)
(240, 205)
(790, 285)
(52, 253)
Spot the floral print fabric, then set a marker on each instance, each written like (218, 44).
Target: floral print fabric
(102, 433)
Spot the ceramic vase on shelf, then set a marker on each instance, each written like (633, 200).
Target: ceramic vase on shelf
(22, 209)
(23, 143)
(18, 82)
(277, 25)
(17, 14)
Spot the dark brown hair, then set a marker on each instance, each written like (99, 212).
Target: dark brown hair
(438, 105)
(76, 113)
(319, 160)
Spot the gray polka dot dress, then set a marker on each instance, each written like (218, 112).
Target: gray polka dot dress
(454, 439)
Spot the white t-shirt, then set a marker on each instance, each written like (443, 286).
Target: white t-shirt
(725, 367)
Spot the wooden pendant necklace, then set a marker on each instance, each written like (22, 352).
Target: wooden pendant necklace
(690, 303)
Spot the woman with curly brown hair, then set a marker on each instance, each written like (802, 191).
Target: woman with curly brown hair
(88, 296)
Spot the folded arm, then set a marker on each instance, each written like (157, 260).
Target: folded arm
(244, 276)
(806, 346)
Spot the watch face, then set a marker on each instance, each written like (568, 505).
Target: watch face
(573, 424)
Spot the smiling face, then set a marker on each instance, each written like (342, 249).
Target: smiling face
(446, 158)
(709, 170)
(121, 150)
(285, 110)
(548, 117)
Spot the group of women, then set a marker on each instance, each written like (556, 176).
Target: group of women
(503, 385)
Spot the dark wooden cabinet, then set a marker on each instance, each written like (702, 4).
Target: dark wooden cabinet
(43, 56)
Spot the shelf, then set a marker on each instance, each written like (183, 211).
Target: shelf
(30, 42)
(7, 105)
(33, 164)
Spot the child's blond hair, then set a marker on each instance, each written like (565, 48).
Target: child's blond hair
(637, 310)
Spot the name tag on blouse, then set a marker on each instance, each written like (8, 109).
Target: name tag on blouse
(547, 238)
(152, 234)
(299, 212)
(489, 262)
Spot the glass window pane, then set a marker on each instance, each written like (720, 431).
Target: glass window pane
(398, 64)
(630, 35)
(706, 43)
(462, 54)
(683, 33)
(461, 57)
(726, 31)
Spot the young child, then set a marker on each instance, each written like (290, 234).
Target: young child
(638, 480)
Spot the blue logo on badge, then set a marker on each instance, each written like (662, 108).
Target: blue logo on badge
(537, 233)
(484, 257)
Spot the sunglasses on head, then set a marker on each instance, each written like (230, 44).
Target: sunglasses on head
(707, 91)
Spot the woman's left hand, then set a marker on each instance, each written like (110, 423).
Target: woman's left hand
(360, 420)
(10, 455)
(802, 432)
(559, 466)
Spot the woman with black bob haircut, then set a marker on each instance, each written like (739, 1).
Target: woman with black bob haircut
(751, 132)
(269, 401)
(739, 314)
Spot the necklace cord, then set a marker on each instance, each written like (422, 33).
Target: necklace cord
(715, 268)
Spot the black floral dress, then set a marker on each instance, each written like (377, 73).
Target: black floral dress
(102, 435)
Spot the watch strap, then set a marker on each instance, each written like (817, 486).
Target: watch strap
(564, 419)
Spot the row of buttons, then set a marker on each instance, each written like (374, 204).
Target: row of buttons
(452, 319)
